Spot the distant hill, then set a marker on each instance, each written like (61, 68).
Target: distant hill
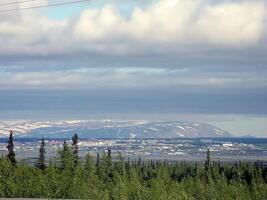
(247, 136)
(111, 129)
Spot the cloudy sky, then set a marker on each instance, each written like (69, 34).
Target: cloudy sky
(201, 60)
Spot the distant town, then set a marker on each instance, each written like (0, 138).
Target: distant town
(181, 149)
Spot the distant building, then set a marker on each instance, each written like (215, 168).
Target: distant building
(227, 144)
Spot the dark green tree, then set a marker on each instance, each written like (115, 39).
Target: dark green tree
(10, 147)
(109, 165)
(41, 161)
(97, 164)
(109, 159)
(75, 148)
(207, 166)
(207, 162)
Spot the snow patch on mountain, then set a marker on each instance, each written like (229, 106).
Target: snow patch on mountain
(180, 127)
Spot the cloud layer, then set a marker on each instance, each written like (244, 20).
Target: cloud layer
(133, 78)
(170, 43)
(172, 25)
(163, 27)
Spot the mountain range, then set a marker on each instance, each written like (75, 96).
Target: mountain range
(94, 129)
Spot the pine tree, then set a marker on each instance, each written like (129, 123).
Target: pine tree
(41, 161)
(11, 154)
(109, 165)
(207, 167)
(97, 164)
(207, 162)
(75, 148)
(109, 159)
(65, 146)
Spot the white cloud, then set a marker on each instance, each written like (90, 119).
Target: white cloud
(23, 32)
(166, 26)
(166, 21)
(232, 23)
(96, 25)
(172, 25)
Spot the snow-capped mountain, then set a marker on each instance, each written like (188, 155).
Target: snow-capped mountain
(110, 129)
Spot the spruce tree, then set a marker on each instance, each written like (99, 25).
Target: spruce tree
(109, 159)
(97, 164)
(207, 167)
(65, 146)
(109, 165)
(207, 162)
(10, 147)
(75, 148)
(41, 161)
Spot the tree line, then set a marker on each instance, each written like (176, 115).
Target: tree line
(106, 178)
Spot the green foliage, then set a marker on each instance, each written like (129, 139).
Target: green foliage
(66, 157)
(105, 178)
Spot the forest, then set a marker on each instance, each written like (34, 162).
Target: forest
(107, 177)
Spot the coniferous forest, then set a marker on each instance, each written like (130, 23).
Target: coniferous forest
(108, 177)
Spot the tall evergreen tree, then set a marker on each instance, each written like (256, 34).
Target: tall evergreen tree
(10, 147)
(109, 159)
(65, 146)
(109, 165)
(97, 164)
(207, 162)
(207, 167)
(41, 161)
(75, 148)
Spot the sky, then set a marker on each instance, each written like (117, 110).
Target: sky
(195, 60)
